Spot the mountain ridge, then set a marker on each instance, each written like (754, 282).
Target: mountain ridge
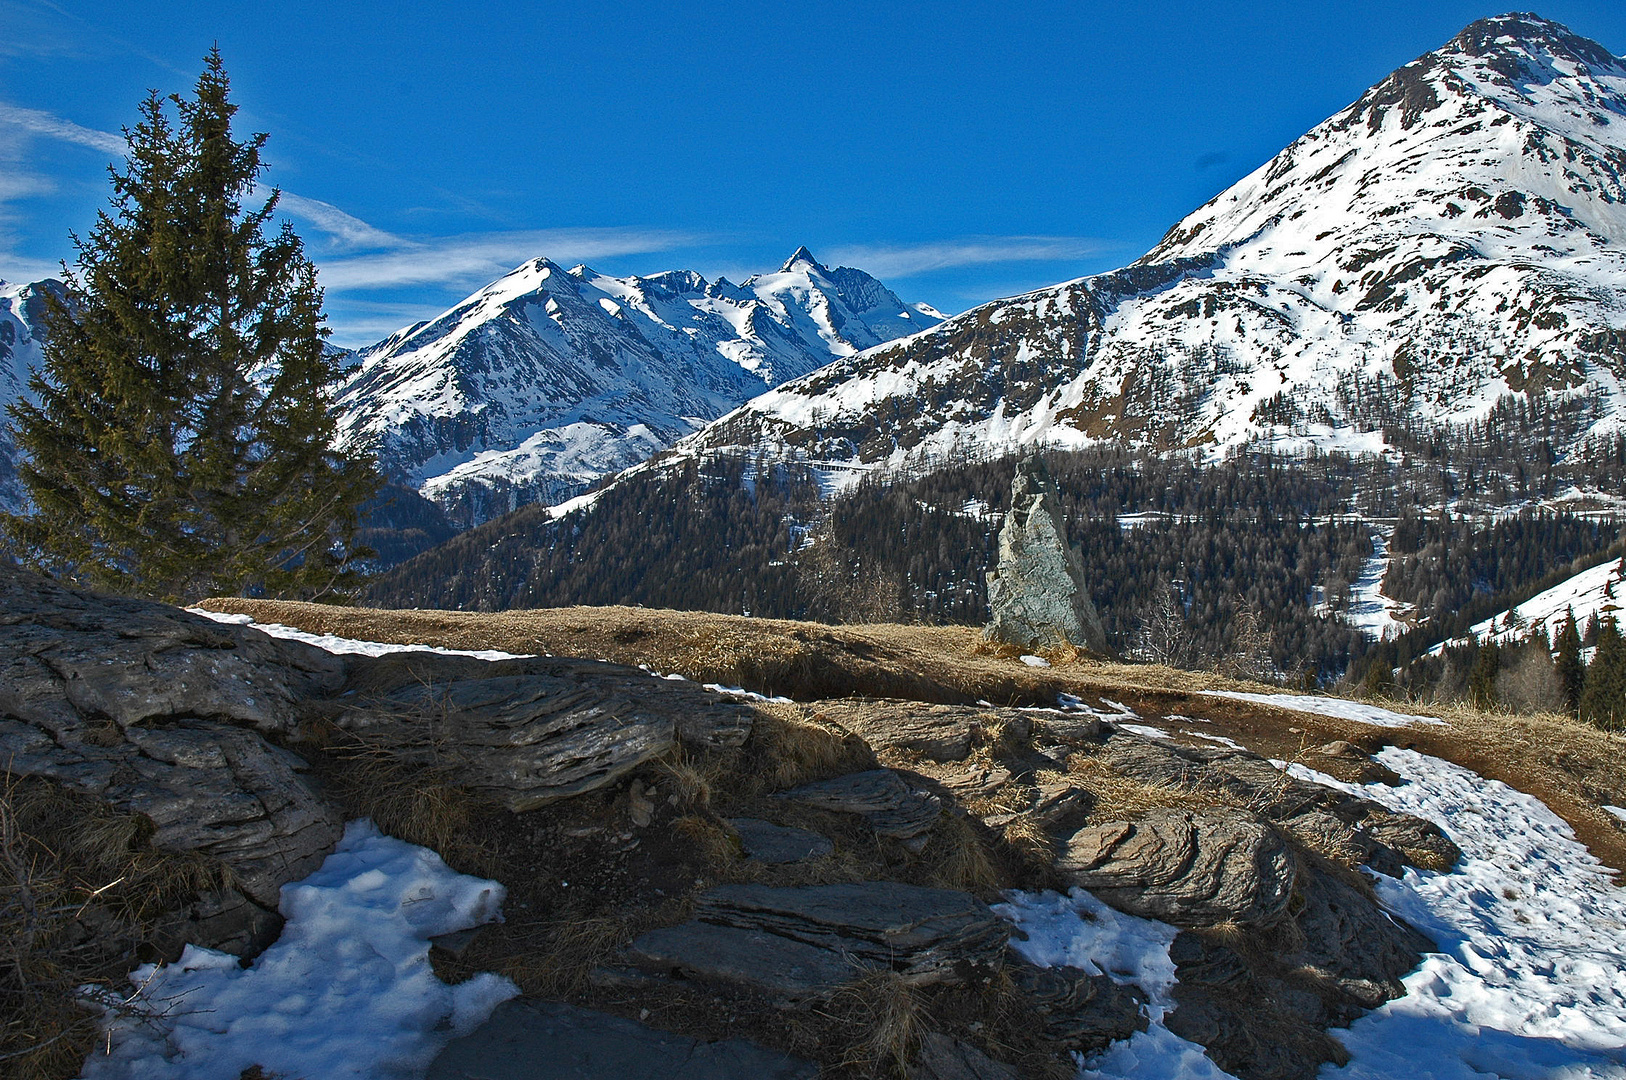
(1450, 238)
(548, 378)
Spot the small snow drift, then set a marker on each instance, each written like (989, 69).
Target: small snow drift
(346, 991)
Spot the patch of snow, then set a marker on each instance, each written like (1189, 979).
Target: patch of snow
(346, 991)
(1369, 611)
(1221, 739)
(1530, 976)
(350, 646)
(1618, 811)
(1340, 708)
(1144, 730)
(1077, 930)
(1035, 661)
(744, 694)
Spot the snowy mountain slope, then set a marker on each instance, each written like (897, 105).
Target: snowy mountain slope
(1600, 592)
(22, 314)
(548, 378)
(1453, 236)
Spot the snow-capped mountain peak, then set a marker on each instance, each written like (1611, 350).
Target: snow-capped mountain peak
(547, 378)
(1456, 235)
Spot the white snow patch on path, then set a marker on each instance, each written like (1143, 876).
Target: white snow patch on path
(1530, 979)
(347, 991)
(1080, 931)
(334, 644)
(1341, 708)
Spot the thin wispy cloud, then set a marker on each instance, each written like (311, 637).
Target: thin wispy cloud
(51, 126)
(346, 230)
(907, 260)
(475, 258)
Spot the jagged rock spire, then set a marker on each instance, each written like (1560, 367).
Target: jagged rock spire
(1036, 595)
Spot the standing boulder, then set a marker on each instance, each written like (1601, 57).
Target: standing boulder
(1036, 594)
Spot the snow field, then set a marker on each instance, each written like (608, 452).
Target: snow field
(347, 991)
(1529, 980)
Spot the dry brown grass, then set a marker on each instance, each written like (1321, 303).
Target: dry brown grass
(884, 1011)
(80, 890)
(1120, 798)
(562, 953)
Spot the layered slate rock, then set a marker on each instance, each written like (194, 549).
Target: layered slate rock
(765, 842)
(944, 1058)
(1329, 818)
(528, 732)
(1036, 593)
(882, 797)
(166, 714)
(525, 1039)
(808, 941)
(941, 733)
(1190, 869)
(1083, 1012)
(150, 709)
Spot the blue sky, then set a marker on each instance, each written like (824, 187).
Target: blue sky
(960, 151)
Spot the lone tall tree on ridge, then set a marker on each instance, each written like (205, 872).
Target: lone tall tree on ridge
(183, 444)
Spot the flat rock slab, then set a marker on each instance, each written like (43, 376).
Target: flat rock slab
(882, 797)
(536, 1040)
(767, 963)
(945, 1058)
(766, 842)
(920, 932)
(532, 731)
(1185, 868)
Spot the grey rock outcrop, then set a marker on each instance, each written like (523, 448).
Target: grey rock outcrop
(166, 714)
(807, 941)
(533, 731)
(1185, 868)
(944, 1058)
(1036, 594)
(150, 709)
(881, 797)
(1327, 818)
(525, 1039)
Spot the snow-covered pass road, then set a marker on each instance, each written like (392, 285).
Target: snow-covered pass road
(1529, 982)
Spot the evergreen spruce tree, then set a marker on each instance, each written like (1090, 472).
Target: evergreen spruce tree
(1603, 698)
(1571, 671)
(1482, 679)
(183, 444)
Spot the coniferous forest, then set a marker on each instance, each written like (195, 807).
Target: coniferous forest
(1246, 563)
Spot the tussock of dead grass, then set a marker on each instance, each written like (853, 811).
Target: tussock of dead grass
(885, 1013)
(80, 887)
(417, 803)
(960, 859)
(563, 952)
(788, 748)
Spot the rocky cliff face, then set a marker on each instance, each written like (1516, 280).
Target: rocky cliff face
(22, 332)
(549, 378)
(1451, 237)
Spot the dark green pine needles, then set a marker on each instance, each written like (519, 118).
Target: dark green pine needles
(183, 444)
